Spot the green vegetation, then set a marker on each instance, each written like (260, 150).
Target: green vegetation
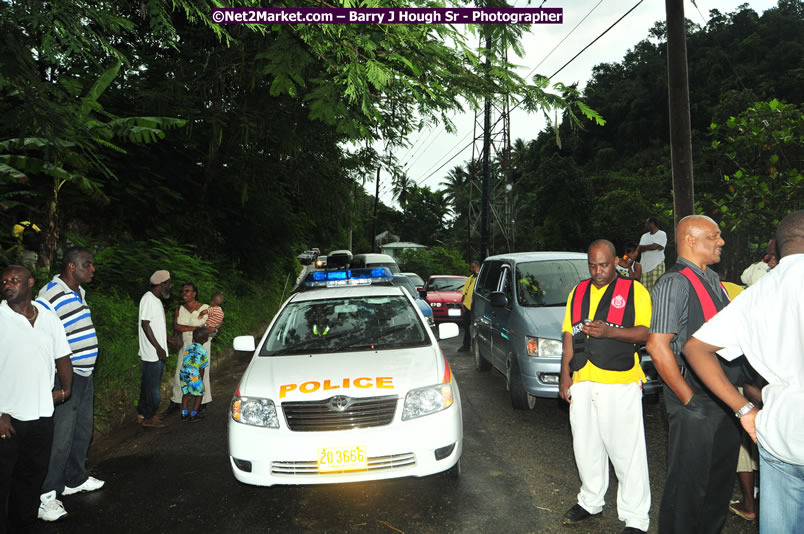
(745, 77)
(438, 260)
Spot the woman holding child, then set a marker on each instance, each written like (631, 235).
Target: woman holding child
(189, 316)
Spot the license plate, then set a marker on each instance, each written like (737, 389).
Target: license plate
(342, 459)
(454, 313)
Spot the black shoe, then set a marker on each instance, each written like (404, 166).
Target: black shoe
(632, 530)
(463, 349)
(172, 407)
(194, 418)
(577, 513)
(184, 416)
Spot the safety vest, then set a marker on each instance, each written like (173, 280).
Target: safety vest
(703, 303)
(323, 333)
(617, 309)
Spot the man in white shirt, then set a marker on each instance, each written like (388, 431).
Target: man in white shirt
(651, 246)
(34, 349)
(153, 348)
(766, 323)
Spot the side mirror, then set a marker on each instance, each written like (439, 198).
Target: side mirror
(423, 294)
(244, 343)
(498, 299)
(447, 330)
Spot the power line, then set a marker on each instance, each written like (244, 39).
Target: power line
(520, 102)
(596, 38)
(562, 40)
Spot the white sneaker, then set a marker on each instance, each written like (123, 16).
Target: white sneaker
(50, 508)
(91, 484)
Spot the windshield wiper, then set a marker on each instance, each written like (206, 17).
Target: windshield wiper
(363, 341)
(296, 348)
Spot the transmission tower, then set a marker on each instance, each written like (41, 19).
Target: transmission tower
(490, 191)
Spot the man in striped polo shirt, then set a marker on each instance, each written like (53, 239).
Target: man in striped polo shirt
(72, 421)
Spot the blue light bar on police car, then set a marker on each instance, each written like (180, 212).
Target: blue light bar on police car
(349, 277)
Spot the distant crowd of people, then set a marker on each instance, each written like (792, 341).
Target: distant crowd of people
(49, 352)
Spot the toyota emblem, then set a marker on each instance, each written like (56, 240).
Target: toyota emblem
(339, 403)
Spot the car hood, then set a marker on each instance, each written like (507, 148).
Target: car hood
(355, 374)
(545, 321)
(443, 296)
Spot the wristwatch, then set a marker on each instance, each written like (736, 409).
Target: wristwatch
(744, 410)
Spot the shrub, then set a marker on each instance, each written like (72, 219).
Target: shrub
(438, 260)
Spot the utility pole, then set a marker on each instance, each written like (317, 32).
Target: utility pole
(679, 102)
(484, 207)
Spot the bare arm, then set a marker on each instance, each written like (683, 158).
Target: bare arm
(637, 272)
(703, 359)
(64, 369)
(598, 328)
(565, 378)
(160, 352)
(658, 346)
(652, 246)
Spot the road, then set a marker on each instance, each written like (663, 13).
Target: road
(519, 476)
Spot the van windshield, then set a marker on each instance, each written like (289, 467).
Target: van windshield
(548, 283)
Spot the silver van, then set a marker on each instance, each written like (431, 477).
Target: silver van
(360, 261)
(517, 312)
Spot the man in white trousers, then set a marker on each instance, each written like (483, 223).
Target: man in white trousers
(601, 377)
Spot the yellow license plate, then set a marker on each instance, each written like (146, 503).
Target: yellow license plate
(342, 459)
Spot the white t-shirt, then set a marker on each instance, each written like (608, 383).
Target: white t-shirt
(151, 310)
(766, 323)
(652, 258)
(28, 362)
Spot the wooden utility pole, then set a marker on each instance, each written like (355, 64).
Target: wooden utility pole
(679, 100)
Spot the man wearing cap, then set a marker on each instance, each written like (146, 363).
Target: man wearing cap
(153, 348)
(34, 350)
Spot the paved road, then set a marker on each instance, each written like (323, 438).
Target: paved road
(518, 476)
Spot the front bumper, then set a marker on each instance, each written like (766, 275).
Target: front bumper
(401, 449)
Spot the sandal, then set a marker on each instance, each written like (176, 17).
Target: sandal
(741, 513)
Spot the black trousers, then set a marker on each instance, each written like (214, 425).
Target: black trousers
(24, 458)
(467, 325)
(702, 449)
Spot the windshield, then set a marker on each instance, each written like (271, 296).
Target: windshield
(347, 324)
(446, 284)
(548, 283)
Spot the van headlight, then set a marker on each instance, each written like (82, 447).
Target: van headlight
(254, 411)
(426, 401)
(544, 348)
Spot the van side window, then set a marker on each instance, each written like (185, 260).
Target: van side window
(489, 278)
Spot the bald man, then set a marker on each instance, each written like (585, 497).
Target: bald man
(606, 317)
(767, 325)
(34, 349)
(703, 437)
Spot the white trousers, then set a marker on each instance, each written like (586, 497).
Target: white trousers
(607, 424)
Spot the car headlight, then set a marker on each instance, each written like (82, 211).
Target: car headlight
(254, 411)
(544, 348)
(435, 304)
(426, 401)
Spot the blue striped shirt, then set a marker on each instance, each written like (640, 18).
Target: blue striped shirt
(72, 309)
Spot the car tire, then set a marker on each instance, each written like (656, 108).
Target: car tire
(481, 364)
(454, 472)
(520, 399)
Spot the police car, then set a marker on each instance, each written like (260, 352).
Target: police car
(347, 384)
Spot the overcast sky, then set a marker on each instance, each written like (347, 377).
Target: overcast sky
(431, 148)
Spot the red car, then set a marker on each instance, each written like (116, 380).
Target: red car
(444, 297)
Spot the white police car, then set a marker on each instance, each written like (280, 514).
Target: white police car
(347, 384)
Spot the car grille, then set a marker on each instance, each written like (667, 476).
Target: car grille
(316, 416)
(452, 305)
(375, 463)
